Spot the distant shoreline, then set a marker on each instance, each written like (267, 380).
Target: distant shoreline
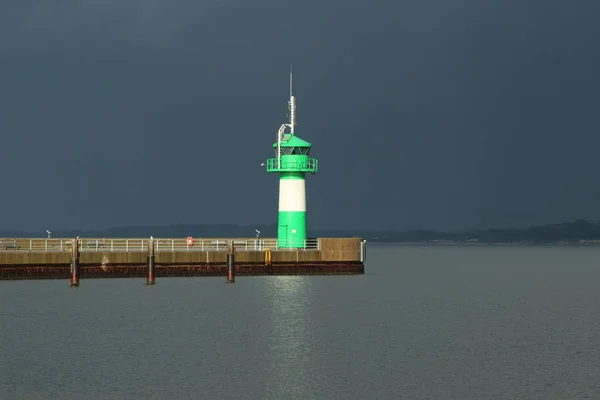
(577, 233)
(481, 244)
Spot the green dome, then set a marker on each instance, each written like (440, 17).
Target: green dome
(290, 140)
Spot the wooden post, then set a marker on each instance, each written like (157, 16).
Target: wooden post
(75, 263)
(150, 263)
(230, 262)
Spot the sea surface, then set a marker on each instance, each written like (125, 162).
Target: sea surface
(424, 322)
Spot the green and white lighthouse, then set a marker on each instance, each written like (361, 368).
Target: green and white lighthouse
(292, 162)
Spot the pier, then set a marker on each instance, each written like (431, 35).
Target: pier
(291, 253)
(84, 258)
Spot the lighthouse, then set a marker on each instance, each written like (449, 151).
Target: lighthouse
(291, 162)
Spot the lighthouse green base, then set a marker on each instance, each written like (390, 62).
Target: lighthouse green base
(291, 230)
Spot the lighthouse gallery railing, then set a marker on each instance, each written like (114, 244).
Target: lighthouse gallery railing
(310, 165)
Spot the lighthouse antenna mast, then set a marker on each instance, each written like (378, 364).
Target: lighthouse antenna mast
(292, 106)
(292, 123)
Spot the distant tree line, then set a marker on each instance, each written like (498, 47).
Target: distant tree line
(570, 232)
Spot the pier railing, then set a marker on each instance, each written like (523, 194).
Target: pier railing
(141, 245)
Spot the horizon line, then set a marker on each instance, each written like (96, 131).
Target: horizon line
(274, 225)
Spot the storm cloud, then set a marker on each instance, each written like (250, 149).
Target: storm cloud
(423, 114)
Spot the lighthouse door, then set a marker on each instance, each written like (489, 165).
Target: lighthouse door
(283, 236)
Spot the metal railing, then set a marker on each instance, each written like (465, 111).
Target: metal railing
(35, 245)
(134, 245)
(310, 165)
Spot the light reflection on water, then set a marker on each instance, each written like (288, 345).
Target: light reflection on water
(291, 339)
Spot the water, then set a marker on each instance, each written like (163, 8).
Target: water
(425, 322)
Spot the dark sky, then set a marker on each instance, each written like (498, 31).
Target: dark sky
(423, 113)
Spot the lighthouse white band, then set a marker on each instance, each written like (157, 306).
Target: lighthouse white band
(292, 195)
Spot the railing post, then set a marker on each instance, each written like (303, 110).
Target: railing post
(172, 245)
(45, 244)
(30, 244)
